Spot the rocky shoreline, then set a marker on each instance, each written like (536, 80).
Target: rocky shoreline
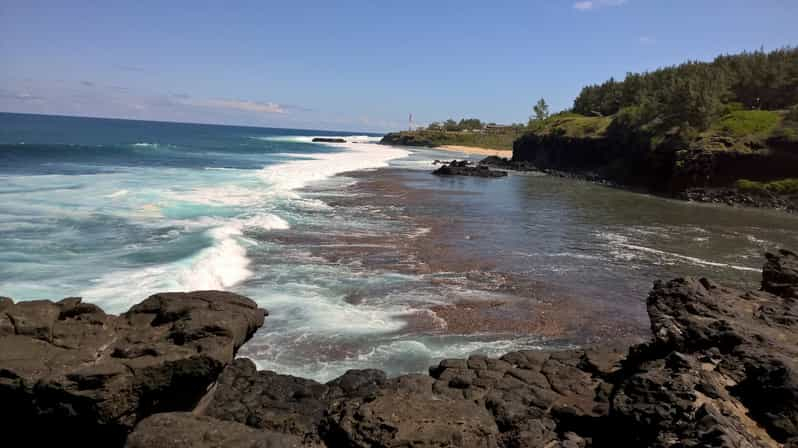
(721, 369)
(726, 196)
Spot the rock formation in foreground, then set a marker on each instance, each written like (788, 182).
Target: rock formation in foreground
(721, 370)
(71, 374)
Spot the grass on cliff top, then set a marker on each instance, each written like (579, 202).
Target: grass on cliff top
(572, 125)
(503, 140)
(783, 186)
(755, 123)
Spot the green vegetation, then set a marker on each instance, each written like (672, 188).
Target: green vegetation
(749, 122)
(541, 110)
(694, 96)
(780, 187)
(569, 124)
(502, 139)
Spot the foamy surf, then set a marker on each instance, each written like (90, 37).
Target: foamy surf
(296, 174)
(309, 138)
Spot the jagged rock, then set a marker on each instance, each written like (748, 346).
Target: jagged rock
(69, 365)
(185, 430)
(722, 369)
(780, 274)
(282, 403)
(465, 168)
(507, 164)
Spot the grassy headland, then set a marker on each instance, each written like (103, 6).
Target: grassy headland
(731, 123)
(502, 139)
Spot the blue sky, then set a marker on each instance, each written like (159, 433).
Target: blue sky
(353, 65)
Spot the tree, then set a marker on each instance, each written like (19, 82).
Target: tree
(434, 126)
(541, 110)
(470, 123)
(450, 125)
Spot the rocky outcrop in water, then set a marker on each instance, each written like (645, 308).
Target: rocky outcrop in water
(72, 374)
(466, 168)
(721, 370)
(328, 140)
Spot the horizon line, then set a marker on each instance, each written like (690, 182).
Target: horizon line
(186, 122)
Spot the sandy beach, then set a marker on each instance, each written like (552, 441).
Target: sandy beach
(474, 150)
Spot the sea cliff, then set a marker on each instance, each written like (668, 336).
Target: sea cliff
(721, 369)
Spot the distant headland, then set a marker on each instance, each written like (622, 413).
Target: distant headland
(724, 131)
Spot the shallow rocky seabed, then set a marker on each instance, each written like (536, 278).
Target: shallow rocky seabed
(720, 370)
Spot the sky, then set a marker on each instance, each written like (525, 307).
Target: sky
(353, 65)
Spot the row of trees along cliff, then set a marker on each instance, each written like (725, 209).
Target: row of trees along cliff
(732, 122)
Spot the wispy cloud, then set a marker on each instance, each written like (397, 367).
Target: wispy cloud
(241, 105)
(87, 83)
(129, 68)
(19, 96)
(588, 5)
(647, 40)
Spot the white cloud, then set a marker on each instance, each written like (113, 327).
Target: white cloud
(646, 40)
(247, 106)
(587, 5)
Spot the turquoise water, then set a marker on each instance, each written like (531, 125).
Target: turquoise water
(113, 210)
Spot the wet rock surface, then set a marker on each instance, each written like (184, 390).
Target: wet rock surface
(735, 197)
(89, 377)
(466, 168)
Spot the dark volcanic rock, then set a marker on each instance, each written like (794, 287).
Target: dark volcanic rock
(507, 164)
(722, 369)
(69, 366)
(780, 275)
(185, 430)
(465, 168)
(328, 140)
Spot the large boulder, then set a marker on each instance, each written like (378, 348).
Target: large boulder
(722, 369)
(69, 365)
(780, 274)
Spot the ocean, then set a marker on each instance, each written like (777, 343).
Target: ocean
(363, 259)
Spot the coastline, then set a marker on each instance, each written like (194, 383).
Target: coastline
(477, 150)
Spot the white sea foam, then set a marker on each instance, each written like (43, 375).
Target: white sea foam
(220, 266)
(116, 194)
(309, 138)
(296, 174)
(144, 145)
(621, 241)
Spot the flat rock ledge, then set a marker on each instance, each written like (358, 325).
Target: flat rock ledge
(720, 370)
(71, 374)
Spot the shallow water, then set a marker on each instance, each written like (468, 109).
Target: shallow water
(384, 266)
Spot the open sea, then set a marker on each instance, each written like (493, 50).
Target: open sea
(361, 256)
